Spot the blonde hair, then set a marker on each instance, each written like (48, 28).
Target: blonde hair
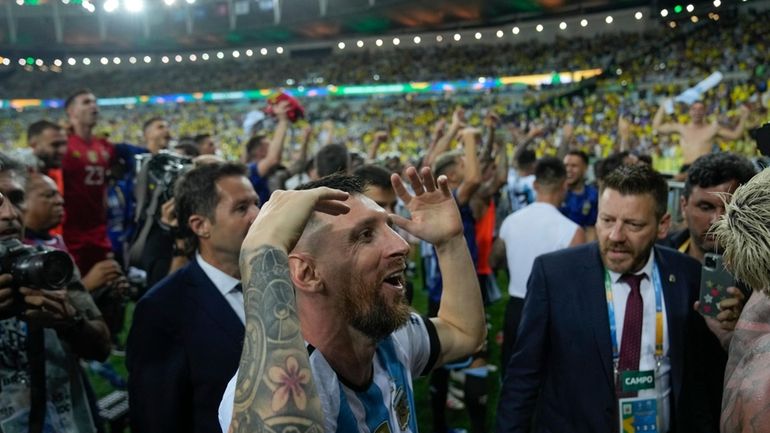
(744, 232)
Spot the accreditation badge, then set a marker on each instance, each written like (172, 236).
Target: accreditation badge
(637, 414)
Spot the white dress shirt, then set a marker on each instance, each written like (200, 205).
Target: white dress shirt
(226, 285)
(620, 292)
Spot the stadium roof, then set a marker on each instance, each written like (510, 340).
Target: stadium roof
(68, 27)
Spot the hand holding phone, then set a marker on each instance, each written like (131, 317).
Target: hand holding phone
(714, 282)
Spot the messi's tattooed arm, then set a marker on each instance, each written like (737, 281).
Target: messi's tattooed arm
(274, 389)
(746, 400)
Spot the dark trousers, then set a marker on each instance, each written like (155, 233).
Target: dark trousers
(510, 328)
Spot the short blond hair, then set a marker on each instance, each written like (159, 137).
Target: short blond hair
(744, 232)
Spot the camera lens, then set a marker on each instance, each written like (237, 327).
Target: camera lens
(48, 270)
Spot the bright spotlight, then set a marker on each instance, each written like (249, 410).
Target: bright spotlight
(104, 60)
(236, 54)
(396, 41)
(457, 37)
(205, 56)
(147, 59)
(116, 60)
(178, 58)
(690, 8)
(417, 39)
(169, 2)
(515, 30)
(279, 50)
(378, 42)
(111, 6)
(341, 45)
(132, 60)
(563, 25)
(583, 22)
(220, 55)
(263, 51)
(189, 2)
(609, 19)
(499, 34)
(717, 3)
(71, 61)
(249, 52)
(133, 6)
(539, 28)
(86, 61)
(164, 59)
(664, 13)
(477, 35)
(39, 62)
(439, 38)
(638, 15)
(193, 57)
(56, 62)
(360, 44)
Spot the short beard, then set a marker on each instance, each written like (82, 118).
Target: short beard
(370, 313)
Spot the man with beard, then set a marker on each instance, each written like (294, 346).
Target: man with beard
(697, 137)
(48, 143)
(362, 344)
(187, 333)
(744, 231)
(597, 316)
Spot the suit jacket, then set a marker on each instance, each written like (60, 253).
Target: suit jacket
(561, 372)
(184, 346)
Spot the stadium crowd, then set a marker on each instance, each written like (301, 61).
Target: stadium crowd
(268, 266)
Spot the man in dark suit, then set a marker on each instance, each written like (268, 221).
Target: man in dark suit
(187, 334)
(567, 364)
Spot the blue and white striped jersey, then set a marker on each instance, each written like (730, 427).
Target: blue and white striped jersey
(386, 405)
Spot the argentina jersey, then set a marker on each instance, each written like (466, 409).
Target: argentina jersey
(386, 405)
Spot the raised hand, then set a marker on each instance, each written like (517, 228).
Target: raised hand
(435, 216)
(282, 219)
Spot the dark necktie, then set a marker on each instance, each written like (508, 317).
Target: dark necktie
(238, 287)
(631, 342)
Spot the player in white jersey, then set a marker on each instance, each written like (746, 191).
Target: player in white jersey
(347, 364)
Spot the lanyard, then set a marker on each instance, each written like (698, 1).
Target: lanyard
(658, 314)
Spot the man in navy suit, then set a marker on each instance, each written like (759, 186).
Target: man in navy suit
(568, 365)
(187, 334)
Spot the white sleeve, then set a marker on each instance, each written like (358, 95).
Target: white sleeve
(226, 405)
(419, 341)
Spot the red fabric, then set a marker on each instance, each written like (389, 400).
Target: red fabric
(485, 232)
(631, 346)
(85, 168)
(56, 175)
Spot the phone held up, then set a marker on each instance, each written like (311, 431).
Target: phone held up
(714, 281)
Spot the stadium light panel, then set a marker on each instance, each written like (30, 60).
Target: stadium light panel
(263, 51)
(193, 57)
(86, 61)
(249, 52)
(111, 6)
(22, 62)
(690, 8)
(678, 9)
(133, 6)
(417, 39)
(583, 22)
(499, 34)
(376, 77)
(609, 19)
(563, 25)
(664, 13)
(639, 15)
(169, 2)
(6, 61)
(116, 60)
(360, 44)
(515, 30)
(539, 28)
(147, 59)
(205, 56)
(220, 55)
(164, 59)
(189, 2)
(104, 60)
(279, 50)
(457, 37)
(236, 54)
(694, 19)
(341, 45)
(39, 62)
(378, 42)
(396, 41)
(20, 2)
(717, 3)
(66, 2)
(178, 58)
(132, 60)
(477, 35)
(439, 38)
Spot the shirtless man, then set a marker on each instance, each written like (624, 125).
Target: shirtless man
(697, 137)
(743, 231)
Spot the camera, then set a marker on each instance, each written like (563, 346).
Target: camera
(160, 172)
(35, 267)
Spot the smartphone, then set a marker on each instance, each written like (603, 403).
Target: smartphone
(714, 281)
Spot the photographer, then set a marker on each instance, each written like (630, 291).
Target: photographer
(42, 332)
